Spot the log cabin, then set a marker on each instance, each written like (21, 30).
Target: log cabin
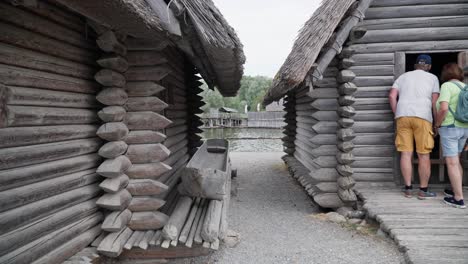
(98, 116)
(335, 82)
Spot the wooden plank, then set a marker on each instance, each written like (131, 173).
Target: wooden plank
(112, 244)
(145, 137)
(416, 11)
(21, 216)
(155, 73)
(114, 185)
(146, 121)
(113, 131)
(373, 92)
(143, 88)
(415, 22)
(413, 34)
(112, 96)
(24, 58)
(135, 104)
(112, 114)
(30, 155)
(147, 153)
(116, 221)
(115, 201)
(177, 219)
(147, 220)
(148, 171)
(16, 76)
(112, 168)
(364, 59)
(145, 203)
(149, 187)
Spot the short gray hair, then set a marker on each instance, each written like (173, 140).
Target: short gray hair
(424, 67)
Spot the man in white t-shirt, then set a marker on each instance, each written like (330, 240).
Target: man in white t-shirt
(412, 98)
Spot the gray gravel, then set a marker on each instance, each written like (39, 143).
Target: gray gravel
(272, 214)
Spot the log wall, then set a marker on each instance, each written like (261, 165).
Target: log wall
(48, 124)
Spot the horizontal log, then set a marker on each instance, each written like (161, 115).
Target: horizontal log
(346, 122)
(116, 221)
(113, 131)
(372, 104)
(346, 182)
(112, 114)
(144, 137)
(146, 121)
(21, 136)
(40, 116)
(177, 219)
(172, 131)
(114, 185)
(41, 97)
(29, 213)
(173, 140)
(414, 34)
(374, 151)
(372, 59)
(115, 201)
(381, 3)
(324, 104)
(146, 187)
(25, 58)
(323, 93)
(328, 200)
(30, 40)
(374, 81)
(108, 77)
(325, 115)
(347, 195)
(138, 44)
(373, 162)
(113, 62)
(210, 228)
(373, 92)
(374, 115)
(23, 195)
(48, 243)
(20, 237)
(148, 171)
(414, 22)
(344, 170)
(146, 58)
(416, 11)
(374, 139)
(373, 70)
(373, 127)
(135, 104)
(153, 73)
(344, 158)
(112, 168)
(405, 46)
(143, 204)
(109, 42)
(147, 153)
(112, 96)
(143, 88)
(30, 155)
(326, 127)
(27, 175)
(113, 149)
(345, 76)
(329, 82)
(148, 220)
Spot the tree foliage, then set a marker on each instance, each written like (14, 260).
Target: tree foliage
(251, 93)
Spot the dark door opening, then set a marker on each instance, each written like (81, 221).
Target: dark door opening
(438, 169)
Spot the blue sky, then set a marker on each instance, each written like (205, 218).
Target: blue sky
(267, 28)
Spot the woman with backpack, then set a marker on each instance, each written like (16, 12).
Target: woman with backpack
(452, 125)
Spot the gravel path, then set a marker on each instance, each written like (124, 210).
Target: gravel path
(272, 214)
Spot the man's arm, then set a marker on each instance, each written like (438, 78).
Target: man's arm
(441, 114)
(435, 96)
(393, 97)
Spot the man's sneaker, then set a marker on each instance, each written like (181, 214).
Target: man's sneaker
(422, 195)
(408, 193)
(452, 202)
(448, 193)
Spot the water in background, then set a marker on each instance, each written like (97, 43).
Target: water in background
(248, 139)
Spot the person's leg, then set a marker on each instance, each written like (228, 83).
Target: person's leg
(424, 169)
(455, 176)
(406, 165)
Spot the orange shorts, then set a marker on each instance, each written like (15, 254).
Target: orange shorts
(410, 129)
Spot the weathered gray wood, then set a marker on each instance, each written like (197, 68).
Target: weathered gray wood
(346, 100)
(146, 58)
(210, 228)
(374, 139)
(112, 114)
(148, 171)
(154, 73)
(112, 244)
(374, 115)
(414, 34)
(113, 131)
(115, 201)
(328, 200)
(116, 221)
(415, 22)
(373, 162)
(136, 236)
(112, 168)
(325, 115)
(345, 134)
(344, 170)
(374, 81)
(148, 220)
(374, 151)
(371, 92)
(113, 185)
(138, 44)
(346, 111)
(346, 182)
(112, 96)
(345, 76)
(144, 242)
(416, 11)
(48, 243)
(40, 97)
(323, 105)
(113, 62)
(345, 158)
(373, 127)
(108, 42)
(347, 195)
(345, 122)
(39, 116)
(177, 219)
(144, 137)
(371, 58)
(405, 46)
(323, 93)
(113, 149)
(145, 104)
(196, 223)
(400, 64)
(108, 77)
(381, 3)
(345, 146)
(189, 223)
(198, 238)
(147, 153)
(372, 70)
(143, 88)
(145, 203)
(146, 187)
(20, 237)
(20, 216)
(30, 155)
(146, 121)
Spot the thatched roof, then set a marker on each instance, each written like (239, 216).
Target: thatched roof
(315, 34)
(218, 43)
(195, 26)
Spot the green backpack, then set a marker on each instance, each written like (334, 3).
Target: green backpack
(461, 113)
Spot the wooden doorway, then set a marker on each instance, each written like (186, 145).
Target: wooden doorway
(404, 62)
